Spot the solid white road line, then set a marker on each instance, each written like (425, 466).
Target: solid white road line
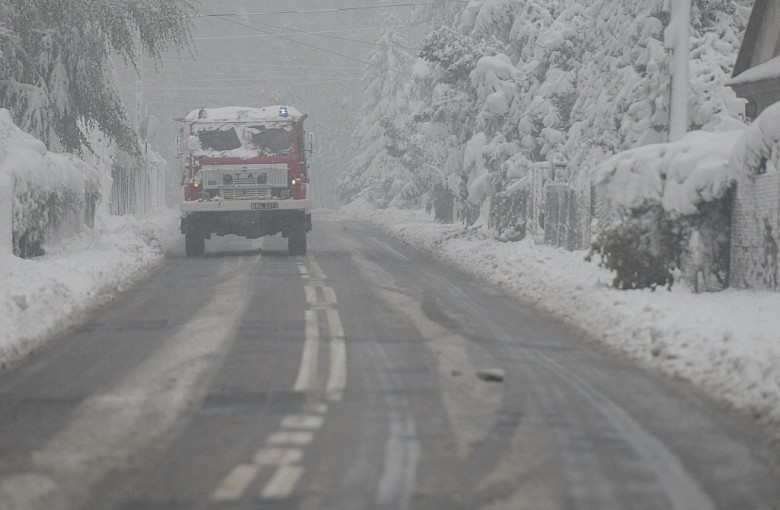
(283, 482)
(337, 377)
(307, 374)
(402, 454)
(235, 483)
(290, 438)
(302, 421)
(278, 456)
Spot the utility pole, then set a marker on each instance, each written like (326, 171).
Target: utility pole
(677, 39)
(139, 81)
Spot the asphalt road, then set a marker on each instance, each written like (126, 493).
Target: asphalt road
(365, 375)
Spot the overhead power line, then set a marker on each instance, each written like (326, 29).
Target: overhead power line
(253, 87)
(323, 11)
(294, 41)
(297, 32)
(250, 64)
(321, 33)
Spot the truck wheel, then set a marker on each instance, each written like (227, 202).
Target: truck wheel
(296, 242)
(194, 245)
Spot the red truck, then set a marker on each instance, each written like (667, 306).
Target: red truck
(245, 173)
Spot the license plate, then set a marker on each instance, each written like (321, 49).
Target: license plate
(265, 205)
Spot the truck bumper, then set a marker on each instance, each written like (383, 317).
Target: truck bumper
(245, 205)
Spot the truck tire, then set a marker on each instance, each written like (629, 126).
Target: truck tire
(194, 245)
(296, 242)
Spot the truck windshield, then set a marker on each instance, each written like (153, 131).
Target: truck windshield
(272, 138)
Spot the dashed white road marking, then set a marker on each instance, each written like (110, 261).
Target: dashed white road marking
(283, 482)
(235, 483)
(278, 456)
(311, 294)
(302, 421)
(290, 438)
(307, 374)
(316, 270)
(314, 300)
(284, 448)
(329, 295)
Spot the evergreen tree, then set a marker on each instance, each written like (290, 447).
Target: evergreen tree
(379, 171)
(55, 72)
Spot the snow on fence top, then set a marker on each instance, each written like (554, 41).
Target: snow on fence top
(679, 175)
(244, 113)
(26, 158)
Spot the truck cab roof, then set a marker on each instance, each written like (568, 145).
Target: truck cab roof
(245, 114)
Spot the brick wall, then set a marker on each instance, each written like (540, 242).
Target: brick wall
(755, 233)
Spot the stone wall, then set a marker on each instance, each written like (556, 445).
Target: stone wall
(755, 233)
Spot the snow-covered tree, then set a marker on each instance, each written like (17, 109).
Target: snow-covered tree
(55, 72)
(380, 171)
(509, 83)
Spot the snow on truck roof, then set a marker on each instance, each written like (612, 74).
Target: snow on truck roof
(244, 113)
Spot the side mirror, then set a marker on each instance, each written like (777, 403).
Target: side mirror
(311, 142)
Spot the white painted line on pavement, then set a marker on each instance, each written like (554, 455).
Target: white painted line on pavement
(337, 377)
(304, 271)
(278, 456)
(307, 374)
(329, 295)
(302, 421)
(283, 483)
(318, 273)
(402, 454)
(235, 483)
(335, 327)
(311, 294)
(290, 438)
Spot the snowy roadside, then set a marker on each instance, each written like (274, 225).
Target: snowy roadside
(726, 343)
(44, 296)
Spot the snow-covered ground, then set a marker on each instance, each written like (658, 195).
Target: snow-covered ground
(43, 296)
(726, 343)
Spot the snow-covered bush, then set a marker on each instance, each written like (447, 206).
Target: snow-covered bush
(758, 149)
(643, 250)
(683, 186)
(54, 195)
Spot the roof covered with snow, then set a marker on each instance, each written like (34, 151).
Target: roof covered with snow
(767, 71)
(761, 38)
(243, 113)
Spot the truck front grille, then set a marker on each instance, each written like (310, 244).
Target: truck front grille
(245, 182)
(246, 193)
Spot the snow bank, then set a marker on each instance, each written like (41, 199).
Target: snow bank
(89, 256)
(726, 343)
(44, 296)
